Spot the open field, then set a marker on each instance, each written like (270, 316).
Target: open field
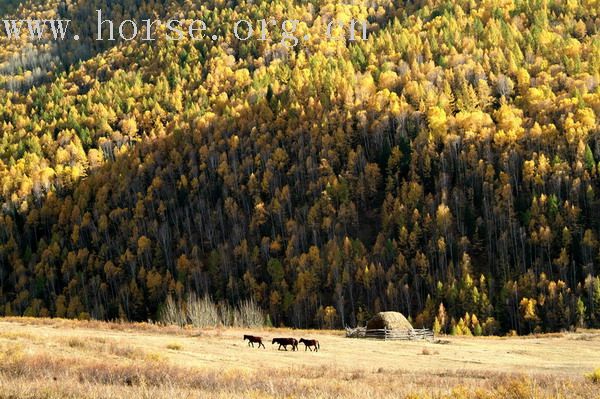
(59, 358)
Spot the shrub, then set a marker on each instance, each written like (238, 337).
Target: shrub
(427, 352)
(251, 314)
(171, 313)
(205, 313)
(76, 343)
(153, 357)
(437, 327)
(594, 376)
(202, 312)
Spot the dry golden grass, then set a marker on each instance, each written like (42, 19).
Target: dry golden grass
(43, 358)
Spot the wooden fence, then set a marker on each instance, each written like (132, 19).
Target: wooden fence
(385, 334)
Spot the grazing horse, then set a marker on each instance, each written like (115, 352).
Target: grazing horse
(254, 340)
(285, 342)
(308, 343)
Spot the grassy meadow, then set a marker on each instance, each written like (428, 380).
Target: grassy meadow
(56, 358)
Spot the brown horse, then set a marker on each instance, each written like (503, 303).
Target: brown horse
(254, 340)
(285, 342)
(309, 343)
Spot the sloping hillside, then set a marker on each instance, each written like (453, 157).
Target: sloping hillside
(446, 168)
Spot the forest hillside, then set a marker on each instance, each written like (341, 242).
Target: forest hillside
(446, 168)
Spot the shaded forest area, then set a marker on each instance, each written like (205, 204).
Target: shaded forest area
(446, 168)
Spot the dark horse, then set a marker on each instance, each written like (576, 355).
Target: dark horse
(254, 340)
(285, 342)
(308, 343)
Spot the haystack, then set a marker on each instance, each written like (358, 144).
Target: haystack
(390, 321)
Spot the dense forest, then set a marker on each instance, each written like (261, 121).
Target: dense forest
(447, 167)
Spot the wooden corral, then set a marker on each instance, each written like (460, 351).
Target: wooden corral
(387, 334)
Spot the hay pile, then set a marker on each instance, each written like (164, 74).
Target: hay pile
(389, 320)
